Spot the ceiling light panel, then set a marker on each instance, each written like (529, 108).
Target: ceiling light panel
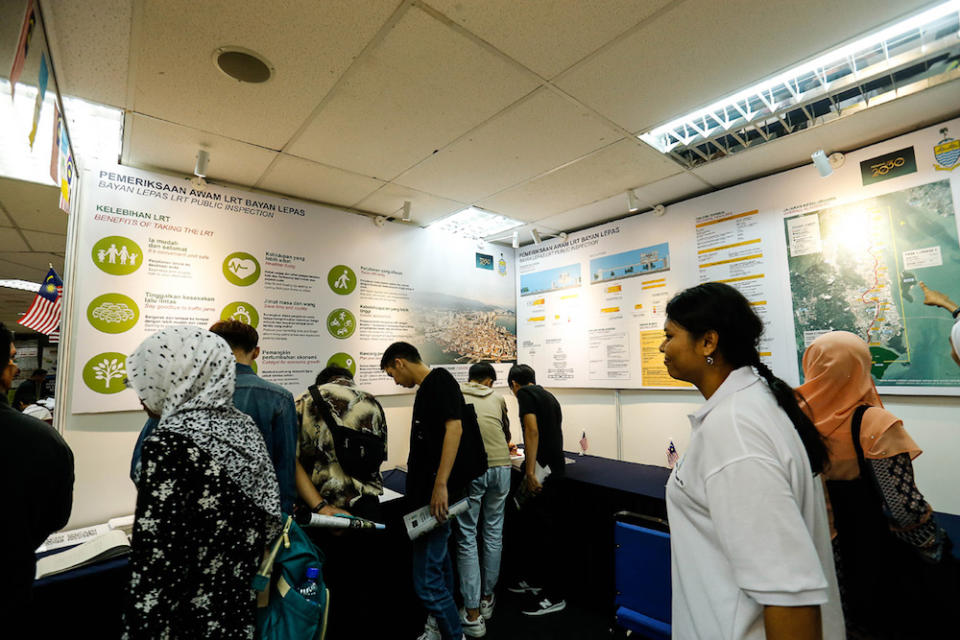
(869, 71)
(474, 223)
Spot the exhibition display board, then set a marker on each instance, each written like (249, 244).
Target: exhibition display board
(321, 286)
(811, 254)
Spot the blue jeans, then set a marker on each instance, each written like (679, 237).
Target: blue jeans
(433, 580)
(489, 494)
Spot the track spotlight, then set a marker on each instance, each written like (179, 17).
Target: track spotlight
(516, 240)
(203, 159)
(406, 211)
(535, 235)
(633, 203)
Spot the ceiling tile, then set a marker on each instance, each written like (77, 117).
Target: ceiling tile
(540, 133)
(153, 143)
(309, 44)
(551, 35)
(301, 178)
(41, 241)
(32, 206)
(679, 187)
(423, 86)
(686, 58)
(616, 168)
(32, 266)
(424, 207)
(91, 44)
(12, 241)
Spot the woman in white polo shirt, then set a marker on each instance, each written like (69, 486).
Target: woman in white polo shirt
(750, 541)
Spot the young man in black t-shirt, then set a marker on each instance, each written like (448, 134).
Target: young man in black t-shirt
(434, 440)
(541, 418)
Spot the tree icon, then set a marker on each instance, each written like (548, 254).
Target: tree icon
(108, 370)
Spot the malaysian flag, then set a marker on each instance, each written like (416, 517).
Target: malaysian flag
(43, 315)
(672, 455)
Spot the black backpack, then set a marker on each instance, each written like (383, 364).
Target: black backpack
(359, 453)
(471, 460)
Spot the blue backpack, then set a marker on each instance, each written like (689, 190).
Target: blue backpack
(282, 613)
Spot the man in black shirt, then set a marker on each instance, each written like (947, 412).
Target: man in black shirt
(434, 440)
(36, 473)
(542, 556)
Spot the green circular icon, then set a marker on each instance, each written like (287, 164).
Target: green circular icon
(241, 268)
(341, 324)
(242, 311)
(117, 255)
(342, 279)
(344, 360)
(113, 313)
(105, 372)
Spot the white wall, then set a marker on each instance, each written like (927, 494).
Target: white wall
(103, 443)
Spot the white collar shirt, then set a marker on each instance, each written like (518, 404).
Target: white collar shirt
(748, 521)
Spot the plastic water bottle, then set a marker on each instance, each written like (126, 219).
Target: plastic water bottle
(310, 590)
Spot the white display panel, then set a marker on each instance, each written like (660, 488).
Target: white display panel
(811, 254)
(320, 285)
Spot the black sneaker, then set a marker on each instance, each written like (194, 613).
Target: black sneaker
(543, 606)
(524, 587)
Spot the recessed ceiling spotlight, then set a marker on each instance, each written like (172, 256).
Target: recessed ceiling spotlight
(243, 64)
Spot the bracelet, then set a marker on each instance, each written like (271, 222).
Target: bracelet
(956, 312)
(320, 505)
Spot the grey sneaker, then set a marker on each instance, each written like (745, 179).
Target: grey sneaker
(543, 606)
(431, 631)
(486, 608)
(473, 628)
(524, 587)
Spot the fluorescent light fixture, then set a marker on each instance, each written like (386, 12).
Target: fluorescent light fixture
(96, 130)
(23, 285)
(535, 235)
(474, 223)
(887, 55)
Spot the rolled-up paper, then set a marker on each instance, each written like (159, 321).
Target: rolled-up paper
(421, 521)
(306, 519)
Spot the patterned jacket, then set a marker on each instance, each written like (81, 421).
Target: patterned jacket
(355, 409)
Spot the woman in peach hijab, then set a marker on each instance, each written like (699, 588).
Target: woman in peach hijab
(893, 562)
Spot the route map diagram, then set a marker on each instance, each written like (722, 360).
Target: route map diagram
(856, 267)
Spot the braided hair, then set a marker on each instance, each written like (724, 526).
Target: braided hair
(720, 307)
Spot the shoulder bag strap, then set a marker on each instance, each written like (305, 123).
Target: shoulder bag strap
(855, 432)
(323, 408)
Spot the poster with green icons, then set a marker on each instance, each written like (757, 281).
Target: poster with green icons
(320, 287)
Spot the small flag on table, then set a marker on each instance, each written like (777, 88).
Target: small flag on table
(43, 315)
(583, 443)
(672, 455)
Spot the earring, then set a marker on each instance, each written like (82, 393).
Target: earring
(709, 359)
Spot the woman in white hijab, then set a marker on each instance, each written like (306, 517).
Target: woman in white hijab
(208, 500)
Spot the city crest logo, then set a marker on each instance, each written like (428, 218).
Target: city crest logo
(946, 152)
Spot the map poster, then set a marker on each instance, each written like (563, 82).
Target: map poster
(320, 286)
(857, 267)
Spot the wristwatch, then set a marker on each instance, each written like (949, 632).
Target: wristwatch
(320, 505)
(956, 312)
